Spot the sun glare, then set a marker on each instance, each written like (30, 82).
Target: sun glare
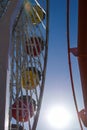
(59, 117)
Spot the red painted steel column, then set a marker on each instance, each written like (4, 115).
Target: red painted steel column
(82, 47)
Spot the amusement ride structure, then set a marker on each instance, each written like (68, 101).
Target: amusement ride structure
(80, 52)
(23, 59)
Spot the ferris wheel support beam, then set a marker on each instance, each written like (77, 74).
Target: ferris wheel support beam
(6, 23)
(82, 47)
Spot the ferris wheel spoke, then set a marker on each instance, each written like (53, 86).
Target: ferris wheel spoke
(40, 6)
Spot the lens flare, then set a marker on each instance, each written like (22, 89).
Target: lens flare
(59, 117)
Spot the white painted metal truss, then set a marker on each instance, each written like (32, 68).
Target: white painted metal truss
(28, 59)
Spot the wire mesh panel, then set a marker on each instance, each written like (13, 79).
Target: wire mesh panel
(3, 6)
(28, 64)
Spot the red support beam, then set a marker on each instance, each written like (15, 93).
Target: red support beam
(82, 47)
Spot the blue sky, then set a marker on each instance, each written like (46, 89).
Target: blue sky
(57, 87)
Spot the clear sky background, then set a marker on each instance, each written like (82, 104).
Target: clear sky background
(58, 87)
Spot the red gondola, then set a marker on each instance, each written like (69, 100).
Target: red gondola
(21, 110)
(34, 46)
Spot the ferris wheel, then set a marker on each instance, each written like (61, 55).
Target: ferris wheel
(27, 60)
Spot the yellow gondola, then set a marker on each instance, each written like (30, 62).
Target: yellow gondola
(35, 12)
(30, 78)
